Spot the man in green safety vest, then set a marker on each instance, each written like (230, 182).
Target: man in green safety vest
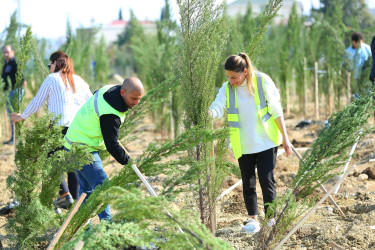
(96, 126)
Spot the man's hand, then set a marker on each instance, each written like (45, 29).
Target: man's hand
(16, 117)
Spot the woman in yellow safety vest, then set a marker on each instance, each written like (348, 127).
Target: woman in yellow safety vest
(257, 128)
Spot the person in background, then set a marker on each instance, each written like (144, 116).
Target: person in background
(8, 76)
(372, 74)
(257, 128)
(358, 53)
(66, 92)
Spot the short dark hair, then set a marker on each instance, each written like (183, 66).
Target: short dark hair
(357, 36)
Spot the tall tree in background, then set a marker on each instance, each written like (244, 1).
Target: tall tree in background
(12, 32)
(125, 59)
(296, 62)
(290, 56)
(333, 50)
(101, 63)
(153, 57)
(356, 13)
(81, 52)
(167, 40)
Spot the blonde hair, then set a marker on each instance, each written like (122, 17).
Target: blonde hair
(238, 63)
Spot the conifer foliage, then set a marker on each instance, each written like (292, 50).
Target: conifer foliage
(144, 222)
(318, 165)
(153, 161)
(36, 179)
(203, 38)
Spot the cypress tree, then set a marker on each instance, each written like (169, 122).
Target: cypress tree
(203, 38)
(101, 66)
(153, 161)
(81, 52)
(153, 55)
(137, 225)
(36, 179)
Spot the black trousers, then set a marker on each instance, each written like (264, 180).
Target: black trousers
(73, 185)
(265, 162)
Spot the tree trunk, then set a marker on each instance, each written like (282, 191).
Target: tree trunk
(211, 191)
(331, 97)
(171, 117)
(348, 83)
(287, 101)
(316, 91)
(304, 87)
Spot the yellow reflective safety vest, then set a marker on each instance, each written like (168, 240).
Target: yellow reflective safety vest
(85, 128)
(269, 123)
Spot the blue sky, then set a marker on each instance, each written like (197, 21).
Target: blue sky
(48, 18)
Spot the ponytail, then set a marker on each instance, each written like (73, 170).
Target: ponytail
(238, 63)
(65, 65)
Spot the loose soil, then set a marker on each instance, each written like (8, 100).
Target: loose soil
(325, 228)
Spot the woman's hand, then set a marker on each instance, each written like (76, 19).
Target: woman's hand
(287, 146)
(16, 117)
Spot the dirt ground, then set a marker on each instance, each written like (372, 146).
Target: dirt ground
(325, 228)
(356, 196)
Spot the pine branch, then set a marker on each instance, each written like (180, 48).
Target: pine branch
(270, 11)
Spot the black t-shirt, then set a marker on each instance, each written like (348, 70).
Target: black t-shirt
(9, 72)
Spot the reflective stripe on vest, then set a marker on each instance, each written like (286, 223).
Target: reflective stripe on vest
(70, 142)
(233, 120)
(96, 103)
(85, 128)
(232, 110)
(262, 108)
(262, 99)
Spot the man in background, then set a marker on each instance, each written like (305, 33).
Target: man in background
(358, 53)
(8, 75)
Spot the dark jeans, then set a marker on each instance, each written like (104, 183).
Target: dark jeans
(73, 185)
(9, 107)
(91, 176)
(265, 163)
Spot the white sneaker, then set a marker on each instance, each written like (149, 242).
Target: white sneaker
(271, 222)
(251, 227)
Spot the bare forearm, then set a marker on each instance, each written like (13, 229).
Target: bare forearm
(286, 143)
(281, 125)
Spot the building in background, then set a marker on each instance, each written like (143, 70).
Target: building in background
(240, 6)
(112, 30)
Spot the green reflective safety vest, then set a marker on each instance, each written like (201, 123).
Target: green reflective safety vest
(269, 123)
(85, 128)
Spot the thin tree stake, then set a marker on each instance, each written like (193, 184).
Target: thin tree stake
(153, 193)
(336, 246)
(149, 187)
(66, 222)
(321, 186)
(347, 163)
(79, 245)
(281, 243)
